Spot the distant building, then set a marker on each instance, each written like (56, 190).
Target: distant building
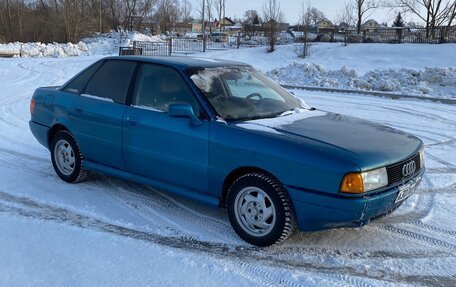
(325, 27)
(184, 27)
(282, 27)
(343, 27)
(225, 22)
(236, 28)
(197, 26)
(370, 26)
(228, 25)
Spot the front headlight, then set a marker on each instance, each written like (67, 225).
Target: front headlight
(422, 158)
(365, 181)
(375, 179)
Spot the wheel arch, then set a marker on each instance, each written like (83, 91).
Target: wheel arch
(236, 173)
(54, 130)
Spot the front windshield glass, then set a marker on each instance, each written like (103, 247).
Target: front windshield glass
(242, 93)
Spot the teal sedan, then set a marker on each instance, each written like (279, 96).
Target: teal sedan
(221, 133)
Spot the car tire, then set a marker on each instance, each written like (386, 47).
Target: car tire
(260, 210)
(67, 158)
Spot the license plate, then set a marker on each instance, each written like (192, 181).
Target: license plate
(407, 189)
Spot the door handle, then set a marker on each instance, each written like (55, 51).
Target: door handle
(78, 110)
(131, 122)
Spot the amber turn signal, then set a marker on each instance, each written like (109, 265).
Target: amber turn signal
(352, 183)
(32, 106)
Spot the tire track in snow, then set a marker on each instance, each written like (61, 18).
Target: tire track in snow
(451, 233)
(143, 208)
(423, 208)
(418, 237)
(441, 161)
(22, 78)
(176, 214)
(25, 207)
(195, 212)
(7, 114)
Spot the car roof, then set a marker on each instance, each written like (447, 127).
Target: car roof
(181, 61)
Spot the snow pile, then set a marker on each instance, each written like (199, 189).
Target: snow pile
(436, 81)
(101, 44)
(9, 49)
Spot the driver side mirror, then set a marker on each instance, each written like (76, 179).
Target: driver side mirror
(183, 111)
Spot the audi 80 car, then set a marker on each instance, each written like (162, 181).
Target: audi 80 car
(221, 133)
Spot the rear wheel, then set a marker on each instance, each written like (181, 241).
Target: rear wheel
(67, 158)
(260, 210)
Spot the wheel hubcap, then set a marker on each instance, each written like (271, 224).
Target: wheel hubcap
(64, 157)
(255, 211)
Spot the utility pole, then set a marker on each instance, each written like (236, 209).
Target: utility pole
(224, 10)
(220, 7)
(203, 26)
(101, 18)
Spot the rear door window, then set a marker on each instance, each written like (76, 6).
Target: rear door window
(79, 82)
(112, 81)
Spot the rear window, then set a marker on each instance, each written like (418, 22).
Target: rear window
(112, 80)
(79, 82)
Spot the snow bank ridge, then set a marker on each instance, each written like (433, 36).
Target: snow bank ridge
(437, 81)
(101, 44)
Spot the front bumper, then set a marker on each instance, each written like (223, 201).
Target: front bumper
(318, 211)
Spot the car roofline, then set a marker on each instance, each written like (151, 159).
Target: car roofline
(182, 62)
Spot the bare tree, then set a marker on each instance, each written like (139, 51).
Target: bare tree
(364, 7)
(209, 14)
(250, 16)
(6, 19)
(273, 16)
(221, 8)
(302, 47)
(451, 15)
(314, 15)
(252, 22)
(68, 20)
(346, 14)
(433, 12)
(185, 14)
(167, 14)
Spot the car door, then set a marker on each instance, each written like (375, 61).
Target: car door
(171, 150)
(99, 113)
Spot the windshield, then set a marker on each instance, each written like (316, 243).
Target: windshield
(242, 93)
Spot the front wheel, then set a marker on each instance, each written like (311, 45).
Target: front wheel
(67, 158)
(260, 210)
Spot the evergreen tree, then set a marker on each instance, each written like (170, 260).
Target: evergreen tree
(256, 20)
(399, 22)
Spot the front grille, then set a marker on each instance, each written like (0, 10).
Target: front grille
(395, 171)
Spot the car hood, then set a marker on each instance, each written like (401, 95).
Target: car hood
(369, 145)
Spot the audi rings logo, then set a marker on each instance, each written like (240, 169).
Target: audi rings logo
(409, 168)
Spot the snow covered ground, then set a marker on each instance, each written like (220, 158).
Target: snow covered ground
(111, 232)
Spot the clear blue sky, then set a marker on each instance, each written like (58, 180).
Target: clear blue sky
(236, 8)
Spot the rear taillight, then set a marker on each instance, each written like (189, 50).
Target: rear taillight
(32, 106)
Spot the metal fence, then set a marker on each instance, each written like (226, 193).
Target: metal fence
(130, 51)
(437, 35)
(186, 45)
(379, 35)
(152, 48)
(176, 45)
